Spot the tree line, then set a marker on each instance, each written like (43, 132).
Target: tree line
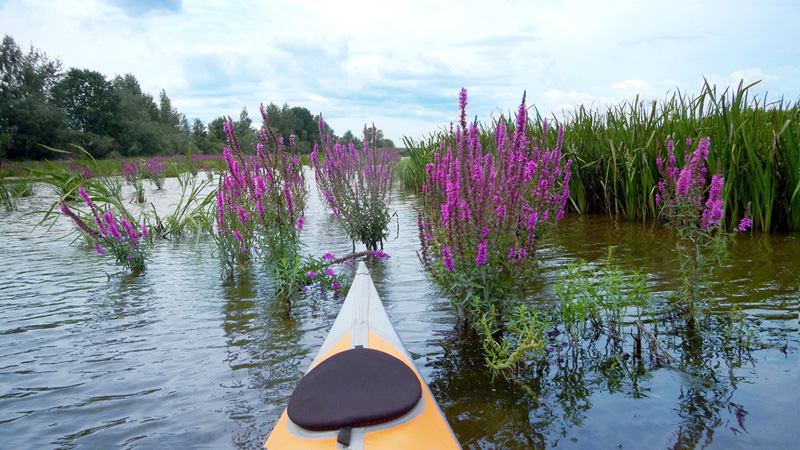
(42, 106)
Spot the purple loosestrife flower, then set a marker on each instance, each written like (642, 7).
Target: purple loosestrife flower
(481, 258)
(111, 222)
(287, 193)
(484, 204)
(744, 224)
(85, 196)
(129, 230)
(330, 272)
(447, 259)
(713, 212)
(300, 223)
(238, 236)
(77, 220)
(329, 256)
(380, 254)
(99, 249)
(312, 274)
(462, 105)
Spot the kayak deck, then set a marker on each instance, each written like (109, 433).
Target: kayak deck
(363, 323)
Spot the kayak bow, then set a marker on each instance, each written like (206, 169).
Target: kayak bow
(362, 390)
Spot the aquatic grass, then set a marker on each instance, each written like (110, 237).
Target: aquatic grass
(411, 168)
(193, 213)
(790, 160)
(356, 185)
(7, 196)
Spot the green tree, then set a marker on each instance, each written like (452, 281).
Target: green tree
(216, 132)
(139, 131)
(297, 121)
(168, 115)
(245, 132)
(27, 119)
(90, 104)
(89, 101)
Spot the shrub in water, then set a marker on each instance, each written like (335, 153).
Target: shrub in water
(692, 205)
(260, 200)
(155, 170)
(121, 237)
(357, 186)
(483, 207)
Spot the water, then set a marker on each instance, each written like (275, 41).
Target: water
(179, 357)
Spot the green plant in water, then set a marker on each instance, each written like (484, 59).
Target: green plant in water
(192, 214)
(604, 296)
(506, 345)
(695, 210)
(357, 186)
(260, 201)
(127, 241)
(487, 198)
(133, 174)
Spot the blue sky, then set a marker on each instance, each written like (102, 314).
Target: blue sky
(402, 64)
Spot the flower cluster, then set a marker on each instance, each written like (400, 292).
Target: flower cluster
(103, 230)
(80, 170)
(155, 170)
(483, 207)
(131, 170)
(685, 196)
(132, 173)
(260, 199)
(356, 185)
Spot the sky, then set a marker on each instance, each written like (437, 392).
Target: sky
(401, 65)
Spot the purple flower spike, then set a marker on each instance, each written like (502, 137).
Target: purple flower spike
(481, 258)
(744, 224)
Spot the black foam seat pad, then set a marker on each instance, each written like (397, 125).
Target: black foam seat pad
(354, 388)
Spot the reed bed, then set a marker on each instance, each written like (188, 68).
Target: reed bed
(755, 146)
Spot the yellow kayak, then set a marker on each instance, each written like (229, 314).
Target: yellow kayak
(363, 390)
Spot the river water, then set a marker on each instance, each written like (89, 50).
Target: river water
(183, 358)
